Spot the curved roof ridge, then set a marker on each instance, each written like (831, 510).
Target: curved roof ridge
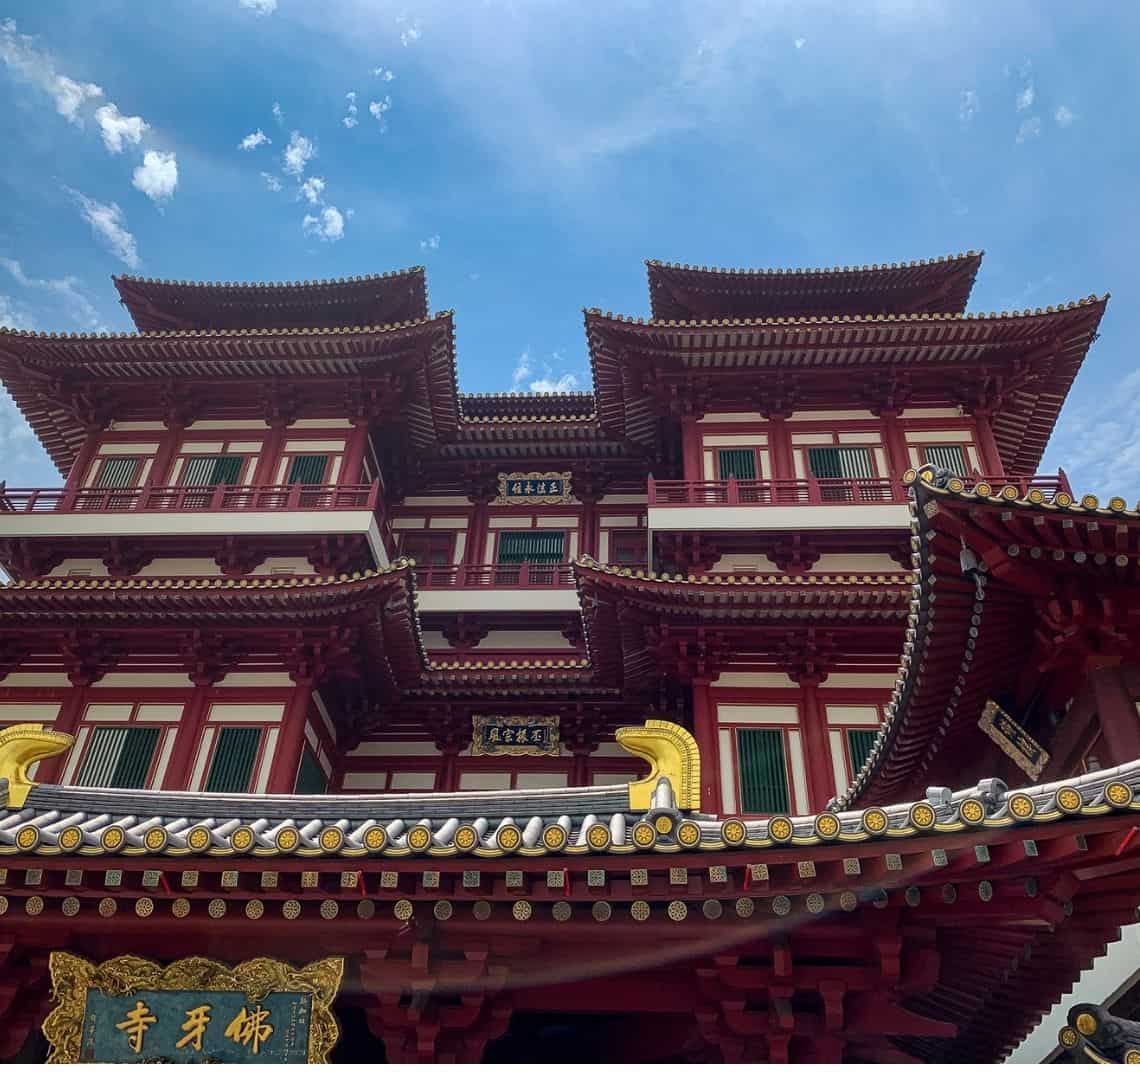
(359, 279)
(962, 257)
(900, 577)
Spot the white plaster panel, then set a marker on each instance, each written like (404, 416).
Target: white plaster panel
(119, 679)
(812, 438)
(502, 640)
(763, 518)
(732, 418)
(925, 437)
(727, 772)
(310, 446)
(158, 713)
(773, 680)
(533, 781)
(387, 748)
(615, 500)
(108, 714)
(227, 425)
(256, 678)
(78, 749)
(293, 522)
(511, 522)
(180, 568)
(859, 438)
(165, 749)
(747, 563)
(757, 714)
(79, 568)
(838, 759)
(610, 749)
(31, 712)
(485, 781)
(224, 713)
(799, 773)
(811, 415)
(202, 447)
(556, 522)
(856, 564)
(279, 566)
(413, 781)
(203, 755)
(972, 458)
(365, 781)
(261, 782)
(434, 639)
(448, 523)
(857, 715)
(460, 547)
(298, 425)
(409, 523)
(437, 500)
(860, 680)
(756, 439)
(136, 425)
(603, 546)
(128, 449)
(433, 600)
(36, 678)
(765, 463)
(929, 414)
(245, 447)
(709, 467)
(619, 521)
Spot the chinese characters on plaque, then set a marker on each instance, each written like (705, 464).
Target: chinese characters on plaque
(1017, 743)
(534, 487)
(194, 1011)
(515, 735)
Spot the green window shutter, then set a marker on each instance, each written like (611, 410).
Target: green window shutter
(738, 463)
(207, 471)
(763, 774)
(118, 757)
(227, 470)
(234, 754)
(117, 472)
(531, 547)
(859, 743)
(947, 457)
(841, 462)
(824, 462)
(308, 469)
(310, 776)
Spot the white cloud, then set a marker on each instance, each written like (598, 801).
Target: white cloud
(564, 384)
(66, 289)
(312, 190)
(157, 176)
(272, 182)
(259, 7)
(109, 225)
(379, 108)
(278, 115)
(1101, 453)
(431, 243)
(383, 73)
(14, 318)
(328, 225)
(1026, 97)
(968, 106)
(298, 154)
(349, 120)
(255, 139)
(522, 372)
(800, 42)
(18, 445)
(522, 378)
(411, 32)
(1030, 128)
(118, 129)
(26, 62)
(1064, 116)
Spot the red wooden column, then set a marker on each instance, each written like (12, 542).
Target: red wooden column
(291, 741)
(354, 453)
(898, 460)
(991, 456)
(71, 710)
(271, 446)
(187, 740)
(704, 731)
(780, 448)
(167, 448)
(477, 532)
(817, 747)
(1119, 721)
(82, 462)
(691, 448)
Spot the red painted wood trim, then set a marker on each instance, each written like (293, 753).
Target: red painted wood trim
(1119, 722)
(74, 703)
(780, 449)
(691, 448)
(354, 447)
(894, 438)
(704, 730)
(987, 445)
(291, 741)
(817, 747)
(272, 443)
(186, 742)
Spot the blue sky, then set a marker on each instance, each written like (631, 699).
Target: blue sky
(533, 154)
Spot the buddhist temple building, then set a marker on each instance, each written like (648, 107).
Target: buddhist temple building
(764, 704)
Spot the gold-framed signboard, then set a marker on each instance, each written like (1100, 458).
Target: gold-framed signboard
(1014, 740)
(515, 736)
(534, 487)
(194, 1011)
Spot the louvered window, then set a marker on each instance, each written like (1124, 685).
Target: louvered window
(310, 776)
(531, 547)
(234, 755)
(946, 457)
(308, 469)
(117, 472)
(428, 549)
(738, 463)
(763, 773)
(841, 462)
(859, 743)
(118, 757)
(208, 471)
(628, 548)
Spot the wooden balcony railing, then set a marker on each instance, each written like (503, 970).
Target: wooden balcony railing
(225, 498)
(814, 492)
(508, 576)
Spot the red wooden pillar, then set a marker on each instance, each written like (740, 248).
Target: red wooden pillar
(291, 741)
(477, 532)
(271, 447)
(898, 460)
(78, 471)
(1119, 721)
(691, 449)
(780, 448)
(987, 446)
(71, 710)
(350, 470)
(167, 448)
(187, 740)
(817, 746)
(588, 529)
(704, 731)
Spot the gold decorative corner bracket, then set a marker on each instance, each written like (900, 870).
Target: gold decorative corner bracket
(673, 753)
(21, 746)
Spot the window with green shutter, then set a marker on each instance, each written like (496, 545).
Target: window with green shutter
(532, 546)
(946, 457)
(859, 743)
(738, 463)
(211, 470)
(234, 755)
(117, 472)
(310, 776)
(762, 770)
(308, 469)
(118, 757)
(841, 462)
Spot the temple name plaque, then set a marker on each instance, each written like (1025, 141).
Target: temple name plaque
(1017, 743)
(515, 736)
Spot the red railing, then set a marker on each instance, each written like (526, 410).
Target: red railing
(225, 498)
(510, 576)
(813, 492)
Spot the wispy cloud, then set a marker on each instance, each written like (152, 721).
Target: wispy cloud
(328, 225)
(278, 115)
(1064, 116)
(259, 7)
(383, 74)
(800, 42)
(431, 243)
(1026, 96)
(157, 176)
(378, 109)
(15, 317)
(350, 110)
(255, 139)
(312, 190)
(1101, 448)
(554, 378)
(109, 225)
(410, 32)
(272, 182)
(117, 129)
(33, 66)
(968, 106)
(298, 154)
(66, 290)
(18, 444)
(1030, 128)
